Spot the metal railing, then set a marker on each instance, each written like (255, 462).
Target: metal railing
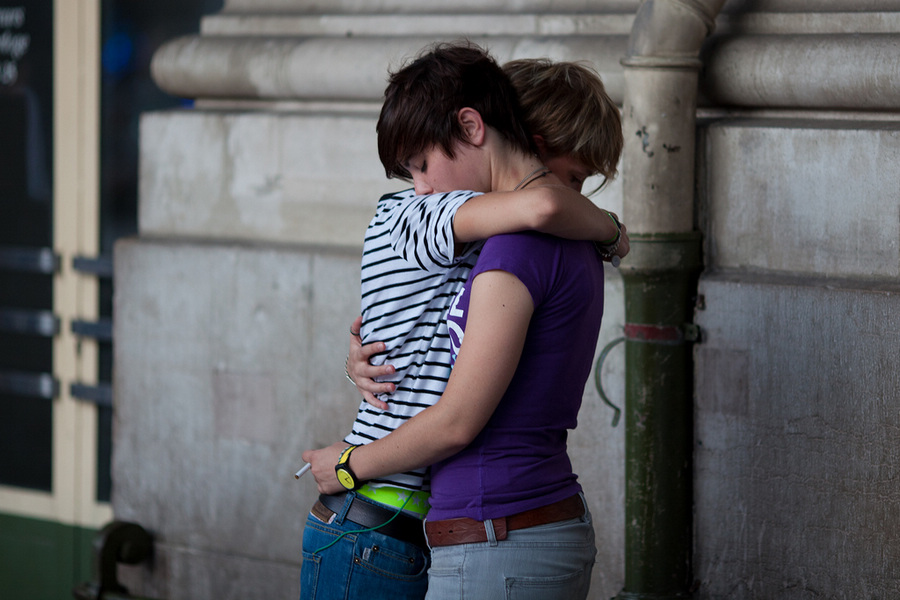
(45, 323)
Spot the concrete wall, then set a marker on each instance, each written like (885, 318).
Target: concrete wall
(229, 364)
(796, 460)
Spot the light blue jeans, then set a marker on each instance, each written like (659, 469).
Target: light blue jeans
(547, 562)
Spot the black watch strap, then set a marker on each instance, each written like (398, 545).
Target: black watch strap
(345, 474)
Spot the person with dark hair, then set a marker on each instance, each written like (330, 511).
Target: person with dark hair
(370, 536)
(407, 125)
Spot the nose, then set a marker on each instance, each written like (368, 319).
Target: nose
(422, 188)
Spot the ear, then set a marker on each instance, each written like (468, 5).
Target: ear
(472, 125)
(541, 146)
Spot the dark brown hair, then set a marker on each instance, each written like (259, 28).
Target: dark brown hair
(422, 100)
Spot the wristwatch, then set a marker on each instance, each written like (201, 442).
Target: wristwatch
(345, 474)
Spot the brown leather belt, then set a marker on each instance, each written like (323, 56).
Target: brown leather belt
(451, 532)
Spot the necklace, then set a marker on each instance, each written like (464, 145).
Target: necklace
(536, 174)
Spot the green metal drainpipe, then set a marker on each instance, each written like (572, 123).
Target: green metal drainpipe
(660, 285)
(661, 71)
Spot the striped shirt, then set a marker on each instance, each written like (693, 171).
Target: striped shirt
(410, 275)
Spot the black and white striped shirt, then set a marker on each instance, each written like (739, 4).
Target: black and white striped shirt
(409, 278)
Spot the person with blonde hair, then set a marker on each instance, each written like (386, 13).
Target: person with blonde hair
(572, 118)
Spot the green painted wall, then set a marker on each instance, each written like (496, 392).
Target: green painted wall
(42, 560)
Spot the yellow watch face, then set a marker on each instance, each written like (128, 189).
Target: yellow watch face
(345, 478)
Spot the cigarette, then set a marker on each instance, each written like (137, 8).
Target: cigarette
(303, 470)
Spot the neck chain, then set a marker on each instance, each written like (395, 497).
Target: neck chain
(536, 174)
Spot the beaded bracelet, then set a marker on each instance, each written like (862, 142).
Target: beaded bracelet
(607, 250)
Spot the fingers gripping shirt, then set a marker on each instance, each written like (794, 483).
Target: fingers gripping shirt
(410, 274)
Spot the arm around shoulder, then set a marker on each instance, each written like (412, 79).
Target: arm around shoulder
(553, 209)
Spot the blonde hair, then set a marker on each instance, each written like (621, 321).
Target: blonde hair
(566, 104)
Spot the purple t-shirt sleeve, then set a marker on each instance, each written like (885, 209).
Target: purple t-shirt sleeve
(527, 256)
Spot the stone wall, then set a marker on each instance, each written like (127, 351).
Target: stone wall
(796, 460)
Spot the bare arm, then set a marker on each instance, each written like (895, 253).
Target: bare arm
(499, 312)
(553, 209)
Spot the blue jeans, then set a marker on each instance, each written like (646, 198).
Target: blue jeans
(369, 565)
(547, 562)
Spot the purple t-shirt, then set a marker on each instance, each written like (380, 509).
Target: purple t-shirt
(519, 461)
